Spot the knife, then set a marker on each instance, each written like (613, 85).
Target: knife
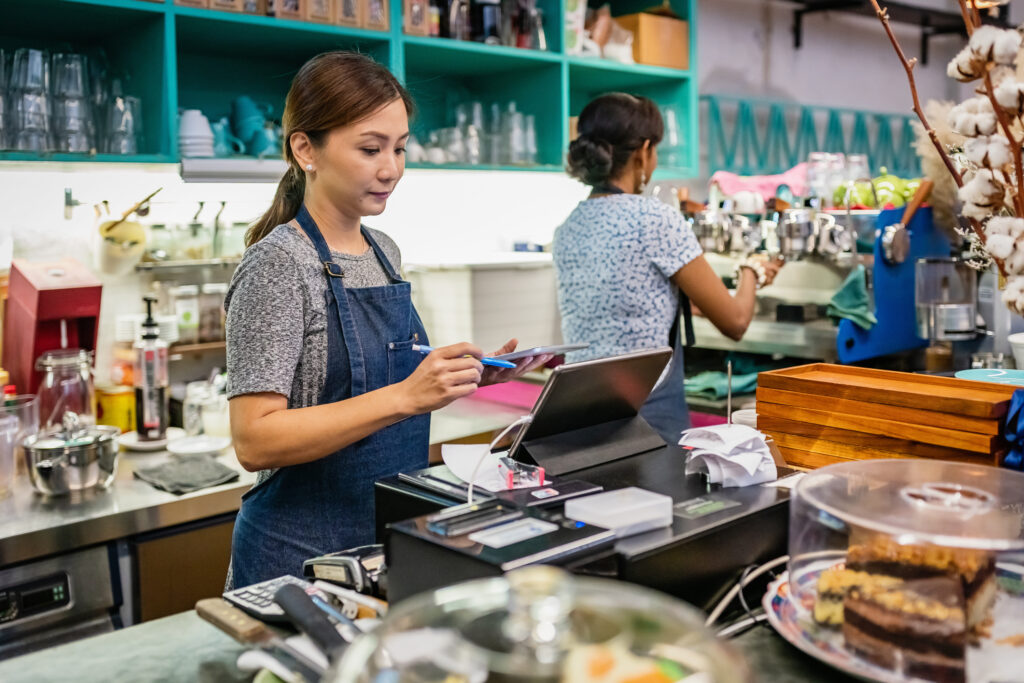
(249, 631)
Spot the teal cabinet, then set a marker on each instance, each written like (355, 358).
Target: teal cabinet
(187, 58)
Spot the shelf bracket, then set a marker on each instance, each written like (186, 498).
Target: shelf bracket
(824, 6)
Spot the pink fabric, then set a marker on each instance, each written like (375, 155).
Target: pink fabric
(706, 419)
(795, 177)
(514, 393)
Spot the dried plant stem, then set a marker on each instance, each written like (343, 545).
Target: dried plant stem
(1007, 126)
(908, 66)
(966, 14)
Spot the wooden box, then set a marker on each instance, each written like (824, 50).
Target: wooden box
(658, 40)
(226, 5)
(375, 14)
(320, 11)
(254, 6)
(286, 9)
(416, 17)
(348, 13)
(193, 3)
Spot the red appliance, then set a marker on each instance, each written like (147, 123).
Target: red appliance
(39, 297)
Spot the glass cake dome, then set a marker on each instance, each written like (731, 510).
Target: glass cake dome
(914, 566)
(541, 624)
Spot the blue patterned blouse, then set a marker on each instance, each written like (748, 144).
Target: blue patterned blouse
(614, 257)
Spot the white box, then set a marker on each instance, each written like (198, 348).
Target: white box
(625, 511)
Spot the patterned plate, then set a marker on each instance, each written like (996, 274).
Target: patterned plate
(827, 644)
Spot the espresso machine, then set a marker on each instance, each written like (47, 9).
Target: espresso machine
(821, 250)
(49, 306)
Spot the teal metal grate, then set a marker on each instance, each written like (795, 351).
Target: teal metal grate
(752, 136)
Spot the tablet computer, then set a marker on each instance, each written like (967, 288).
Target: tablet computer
(593, 392)
(556, 350)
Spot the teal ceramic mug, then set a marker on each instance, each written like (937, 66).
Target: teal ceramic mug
(224, 143)
(265, 142)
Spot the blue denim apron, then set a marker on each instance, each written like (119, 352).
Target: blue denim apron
(665, 408)
(327, 505)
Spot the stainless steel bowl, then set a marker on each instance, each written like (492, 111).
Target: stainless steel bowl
(60, 462)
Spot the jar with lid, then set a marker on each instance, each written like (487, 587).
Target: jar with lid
(186, 309)
(196, 242)
(66, 386)
(196, 395)
(160, 244)
(211, 311)
(230, 242)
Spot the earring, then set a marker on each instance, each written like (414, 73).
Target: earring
(643, 184)
(309, 167)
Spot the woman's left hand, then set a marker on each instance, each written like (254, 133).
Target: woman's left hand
(492, 375)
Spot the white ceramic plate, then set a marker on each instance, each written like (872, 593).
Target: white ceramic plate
(199, 445)
(130, 440)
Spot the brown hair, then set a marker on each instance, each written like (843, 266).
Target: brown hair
(612, 127)
(332, 90)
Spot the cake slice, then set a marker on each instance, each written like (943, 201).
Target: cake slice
(916, 626)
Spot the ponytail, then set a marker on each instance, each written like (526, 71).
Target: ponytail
(332, 90)
(285, 206)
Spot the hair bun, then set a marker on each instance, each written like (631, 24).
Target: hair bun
(590, 159)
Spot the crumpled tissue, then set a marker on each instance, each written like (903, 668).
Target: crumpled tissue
(731, 455)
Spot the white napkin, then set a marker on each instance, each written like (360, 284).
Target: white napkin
(461, 459)
(731, 455)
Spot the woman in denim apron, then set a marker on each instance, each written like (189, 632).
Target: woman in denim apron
(346, 123)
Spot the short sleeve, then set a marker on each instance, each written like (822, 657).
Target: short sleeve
(669, 241)
(265, 322)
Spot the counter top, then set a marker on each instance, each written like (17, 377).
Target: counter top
(185, 648)
(34, 526)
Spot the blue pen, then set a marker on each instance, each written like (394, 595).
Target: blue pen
(494, 362)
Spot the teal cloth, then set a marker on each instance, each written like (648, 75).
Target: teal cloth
(852, 301)
(715, 384)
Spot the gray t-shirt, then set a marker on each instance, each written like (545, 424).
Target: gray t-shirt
(277, 314)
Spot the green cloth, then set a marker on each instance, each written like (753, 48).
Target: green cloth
(852, 302)
(714, 384)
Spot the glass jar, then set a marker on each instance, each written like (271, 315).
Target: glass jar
(186, 309)
(159, 243)
(216, 419)
(196, 242)
(196, 395)
(231, 240)
(211, 311)
(66, 386)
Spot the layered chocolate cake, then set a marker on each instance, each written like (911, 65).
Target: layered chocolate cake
(878, 554)
(917, 626)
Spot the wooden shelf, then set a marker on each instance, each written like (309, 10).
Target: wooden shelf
(195, 349)
(176, 265)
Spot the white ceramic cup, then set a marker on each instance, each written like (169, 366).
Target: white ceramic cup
(194, 125)
(1017, 344)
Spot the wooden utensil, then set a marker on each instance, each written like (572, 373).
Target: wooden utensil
(895, 238)
(249, 631)
(105, 228)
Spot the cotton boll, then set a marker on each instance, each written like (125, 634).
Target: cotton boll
(1010, 95)
(966, 67)
(978, 213)
(1013, 294)
(991, 151)
(999, 246)
(973, 117)
(1005, 225)
(983, 190)
(1014, 263)
(1006, 47)
(983, 42)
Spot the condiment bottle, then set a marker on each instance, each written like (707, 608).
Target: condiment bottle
(150, 376)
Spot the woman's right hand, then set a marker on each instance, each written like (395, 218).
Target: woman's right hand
(445, 374)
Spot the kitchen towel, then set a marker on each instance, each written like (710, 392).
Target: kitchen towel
(184, 475)
(714, 384)
(852, 302)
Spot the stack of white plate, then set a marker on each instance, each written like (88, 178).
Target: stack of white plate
(195, 137)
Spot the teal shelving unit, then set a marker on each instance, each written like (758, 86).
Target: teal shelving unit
(183, 57)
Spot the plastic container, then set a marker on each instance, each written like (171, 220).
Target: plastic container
(25, 407)
(541, 624)
(186, 308)
(902, 563)
(211, 311)
(8, 438)
(626, 511)
(215, 415)
(1017, 346)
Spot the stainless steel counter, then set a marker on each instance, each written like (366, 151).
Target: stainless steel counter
(34, 526)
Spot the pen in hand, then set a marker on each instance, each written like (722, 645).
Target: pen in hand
(493, 362)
